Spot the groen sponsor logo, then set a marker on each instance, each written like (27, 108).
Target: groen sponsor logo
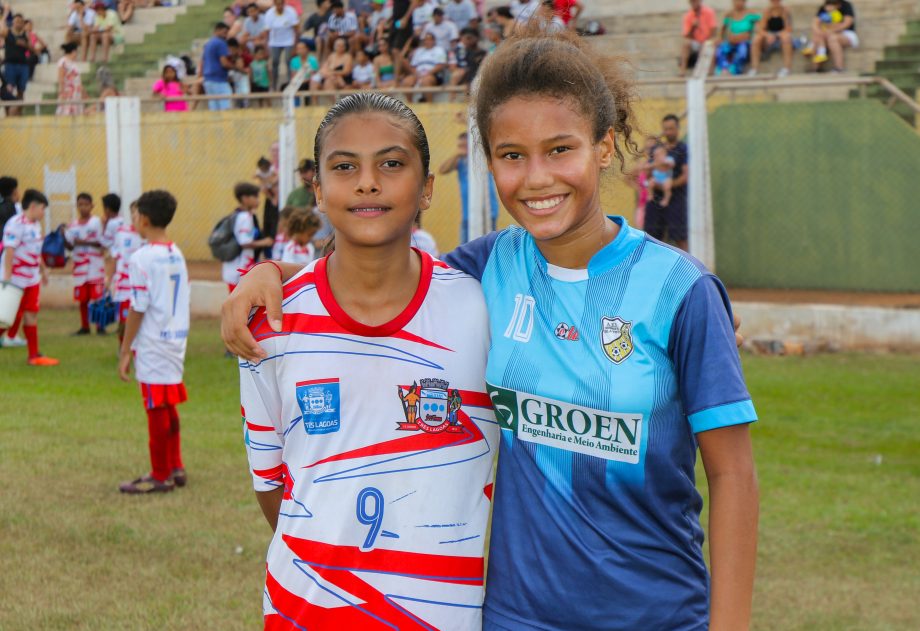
(608, 435)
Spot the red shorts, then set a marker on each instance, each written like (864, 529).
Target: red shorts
(157, 395)
(30, 300)
(88, 292)
(123, 308)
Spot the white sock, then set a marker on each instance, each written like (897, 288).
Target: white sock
(822, 50)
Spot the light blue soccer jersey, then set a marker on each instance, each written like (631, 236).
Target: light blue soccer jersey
(601, 379)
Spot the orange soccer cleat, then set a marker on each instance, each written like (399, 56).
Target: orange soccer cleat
(41, 360)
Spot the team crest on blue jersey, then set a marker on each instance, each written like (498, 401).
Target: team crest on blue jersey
(565, 332)
(431, 406)
(616, 339)
(320, 405)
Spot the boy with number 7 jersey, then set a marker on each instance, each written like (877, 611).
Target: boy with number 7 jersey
(155, 334)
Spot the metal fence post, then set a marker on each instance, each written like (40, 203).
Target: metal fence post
(478, 220)
(287, 139)
(699, 187)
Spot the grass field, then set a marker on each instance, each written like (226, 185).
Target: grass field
(838, 453)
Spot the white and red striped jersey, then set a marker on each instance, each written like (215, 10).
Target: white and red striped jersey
(244, 230)
(160, 290)
(26, 238)
(383, 440)
(88, 262)
(278, 246)
(127, 241)
(296, 253)
(112, 226)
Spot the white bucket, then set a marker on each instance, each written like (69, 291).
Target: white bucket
(10, 297)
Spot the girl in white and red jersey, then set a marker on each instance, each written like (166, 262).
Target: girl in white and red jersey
(302, 225)
(126, 241)
(21, 264)
(369, 433)
(84, 236)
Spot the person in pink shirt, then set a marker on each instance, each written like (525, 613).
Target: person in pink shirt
(699, 26)
(169, 86)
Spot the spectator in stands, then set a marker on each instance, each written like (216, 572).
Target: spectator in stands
(318, 23)
(17, 52)
(774, 30)
(493, 35)
(304, 57)
(70, 86)
(215, 67)
(426, 66)
(168, 86)
(235, 23)
(125, 10)
(39, 47)
(504, 18)
(738, 27)
(833, 30)
(670, 220)
(106, 30)
(384, 66)
(698, 28)
(105, 83)
(283, 25)
(239, 74)
(444, 31)
(79, 24)
(422, 13)
(255, 30)
(377, 22)
(464, 58)
(363, 75)
(261, 73)
(335, 73)
(460, 12)
(342, 24)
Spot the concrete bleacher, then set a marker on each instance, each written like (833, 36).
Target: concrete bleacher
(648, 32)
(50, 18)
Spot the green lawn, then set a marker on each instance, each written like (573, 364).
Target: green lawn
(838, 453)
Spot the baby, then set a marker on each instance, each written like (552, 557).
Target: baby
(266, 174)
(662, 174)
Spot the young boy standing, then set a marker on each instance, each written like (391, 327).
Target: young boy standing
(84, 237)
(22, 266)
(155, 333)
(245, 232)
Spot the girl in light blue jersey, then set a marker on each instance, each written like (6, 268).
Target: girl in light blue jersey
(612, 361)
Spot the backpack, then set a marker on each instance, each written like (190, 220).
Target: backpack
(54, 248)
(222, 241)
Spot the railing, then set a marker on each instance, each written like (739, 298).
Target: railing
(731, 85)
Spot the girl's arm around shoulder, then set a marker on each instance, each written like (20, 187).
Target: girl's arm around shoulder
(472, 257)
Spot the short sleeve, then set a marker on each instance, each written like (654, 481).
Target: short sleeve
(140, 293)
(263, 432)
(221, 48)
(12, 235)
(159, 86)
(472, 257)
(702, 348)
(243, 228)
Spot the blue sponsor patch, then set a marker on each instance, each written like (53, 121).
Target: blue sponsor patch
(320, 405)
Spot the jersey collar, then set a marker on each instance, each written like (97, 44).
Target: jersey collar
(607, 258)
(383, 330)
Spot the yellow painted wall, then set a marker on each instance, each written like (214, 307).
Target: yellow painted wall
(200, 155)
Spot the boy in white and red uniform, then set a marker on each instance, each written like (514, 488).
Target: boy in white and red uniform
(246, 233)
(84, 236)
(111, 207)
(371, 431)
(155, 335)
(125, 243)
(21, 264)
